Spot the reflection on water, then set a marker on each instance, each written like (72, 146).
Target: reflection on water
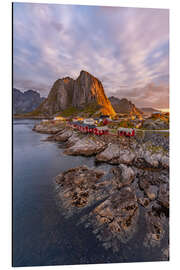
(41, 233)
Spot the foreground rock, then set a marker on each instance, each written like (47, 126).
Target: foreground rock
(115, 212)
(87, 146)
(109, 202)
(79, 187)
(155, 228)
(116, 218)
(123, 176)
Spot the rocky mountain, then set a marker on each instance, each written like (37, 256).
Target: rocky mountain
(124, 106)
(149, 110)
(79, 93)
(25, 102)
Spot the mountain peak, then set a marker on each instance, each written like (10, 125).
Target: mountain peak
(66, 92)
(124, 106)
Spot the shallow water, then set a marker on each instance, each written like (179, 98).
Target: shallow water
(41, 233)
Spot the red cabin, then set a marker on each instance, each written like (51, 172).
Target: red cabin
(128, 132)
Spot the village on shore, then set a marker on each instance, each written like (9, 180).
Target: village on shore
(136, 185)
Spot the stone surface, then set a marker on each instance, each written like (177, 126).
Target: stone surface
(116, 154)
(49, 127)
(73, 139)
(155, 229)
(163, 197)
(112, 201)
(61, 136)
(123, 176)
(87, 146)
(116, 218)
(110, 154)
(81, 186)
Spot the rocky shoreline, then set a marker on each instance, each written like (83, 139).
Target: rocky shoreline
(137, 184)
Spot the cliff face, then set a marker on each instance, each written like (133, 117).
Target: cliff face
(124, 106)
(66, 92)
(59, 97)
(25, 102)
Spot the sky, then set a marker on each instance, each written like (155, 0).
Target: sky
(127, 49)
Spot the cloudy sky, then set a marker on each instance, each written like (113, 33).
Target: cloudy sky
(126, 48)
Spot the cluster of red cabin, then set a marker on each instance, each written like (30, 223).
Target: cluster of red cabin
(128, 132)
(84, 128)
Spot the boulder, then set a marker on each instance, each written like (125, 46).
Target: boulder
(80, 187)
(72, 139)
(110, 154)
(150, 190)
(61, 136)
(123, 176)
(87, 146)
(115, 154)
(116, 218)
(126, 156)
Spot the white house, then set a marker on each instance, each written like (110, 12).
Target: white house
(89, 121)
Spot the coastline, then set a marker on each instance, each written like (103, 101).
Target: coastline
(138, 179)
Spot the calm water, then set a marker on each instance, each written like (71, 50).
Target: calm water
(41, 234)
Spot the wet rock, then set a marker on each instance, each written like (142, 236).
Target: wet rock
(155, 230)
(163, 197)
(61, 136)
(109, 202)
(144, 201)
(150, 190)
(116, 218)
(165, 254)
(80, 187)
(144, 183)
(87, 146)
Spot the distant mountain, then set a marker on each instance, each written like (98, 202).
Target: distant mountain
(25, 102)
(67, 93)
(124, 106)
(149, 110)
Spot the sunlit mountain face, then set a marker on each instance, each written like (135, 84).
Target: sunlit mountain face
(127, 49)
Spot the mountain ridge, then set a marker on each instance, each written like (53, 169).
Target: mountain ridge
(25, 102)
(78, 93)
(124, 106)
